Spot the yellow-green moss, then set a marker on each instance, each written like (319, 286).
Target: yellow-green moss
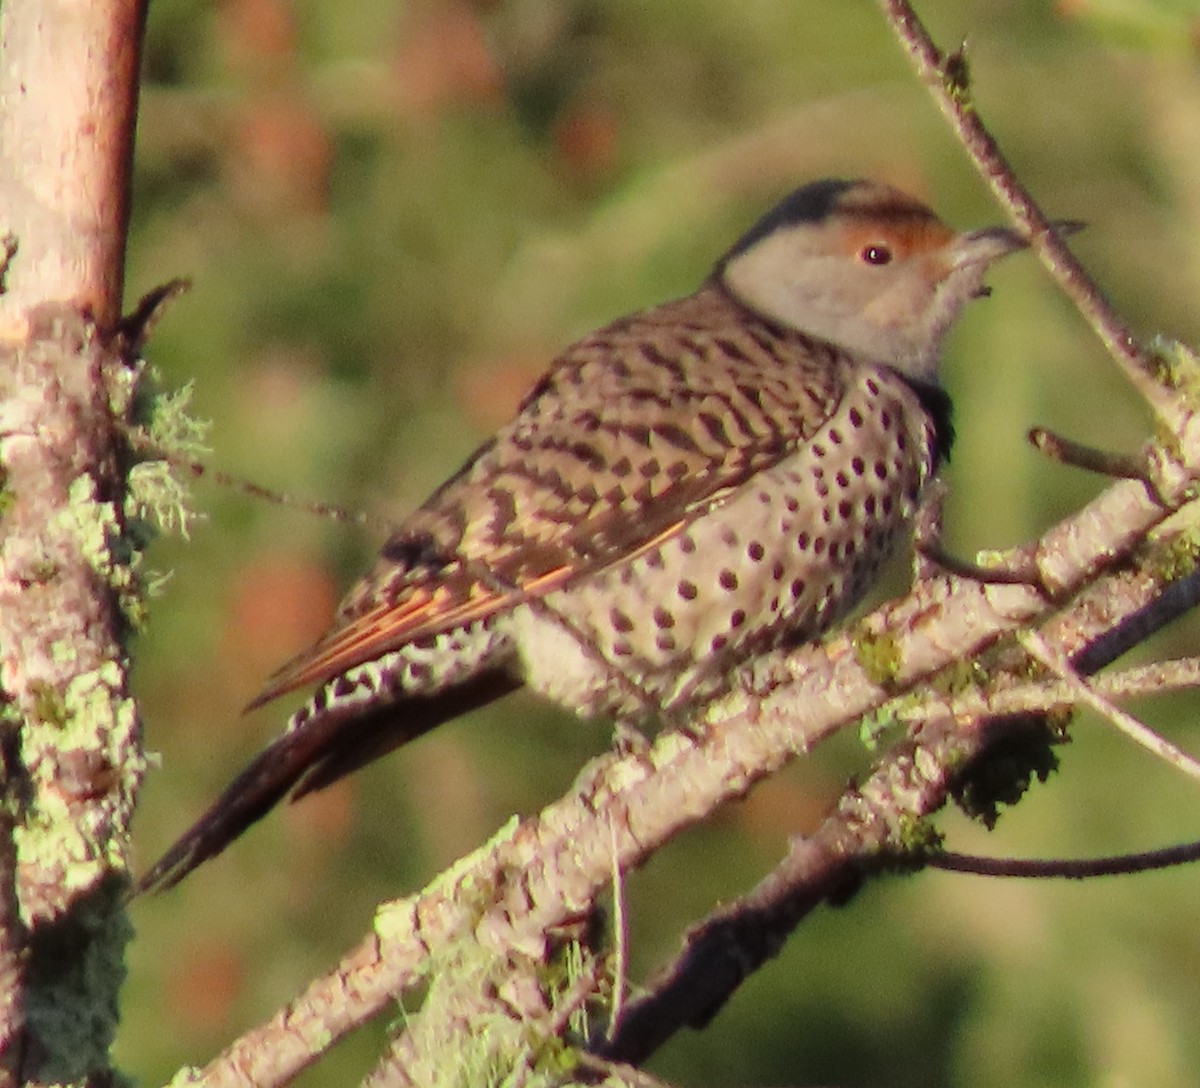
(48, 706)
(7, 498)
(1177, 557)
(872, 727)
(956, 78)
(879, 655)
(915, 835)
(1177, 365)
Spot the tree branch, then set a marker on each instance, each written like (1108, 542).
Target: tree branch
(68, 91)
(68, 591)
(947, 78)
(545, 872)
(486, 935)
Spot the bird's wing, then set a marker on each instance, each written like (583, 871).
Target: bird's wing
(633, 433)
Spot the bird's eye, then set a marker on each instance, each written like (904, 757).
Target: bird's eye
(876, 254)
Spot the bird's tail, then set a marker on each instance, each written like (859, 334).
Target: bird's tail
(338, 731)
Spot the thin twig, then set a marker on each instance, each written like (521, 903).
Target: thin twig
(1014, 696)
(1175, 599)
(1123, 720)
(199, 470)
(1168, 857)
(1103, 462)
(947, 79)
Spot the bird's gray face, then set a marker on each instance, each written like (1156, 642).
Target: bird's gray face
(877, 273)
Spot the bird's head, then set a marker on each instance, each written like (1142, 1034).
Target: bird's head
(865, 266)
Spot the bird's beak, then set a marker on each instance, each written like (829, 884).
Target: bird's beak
(991, 243)
(981, 247)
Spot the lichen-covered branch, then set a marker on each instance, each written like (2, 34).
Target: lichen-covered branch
(68, 588)
(74, 746)
(879, 821)
(546, 872)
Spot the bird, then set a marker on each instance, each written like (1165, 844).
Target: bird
(683, 490)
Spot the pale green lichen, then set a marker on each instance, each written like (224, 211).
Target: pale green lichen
(92, 524)
(79, 752)
(157, 496)
(100, 538)
(71, 750)
(502, 1050)
(171, 425)
(162, 431)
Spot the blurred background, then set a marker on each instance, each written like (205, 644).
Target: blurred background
(394, 213)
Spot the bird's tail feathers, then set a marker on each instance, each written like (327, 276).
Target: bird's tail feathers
(326, 739)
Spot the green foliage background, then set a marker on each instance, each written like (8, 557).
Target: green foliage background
(394, 213)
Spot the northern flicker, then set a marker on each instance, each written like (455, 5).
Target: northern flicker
(682, 490)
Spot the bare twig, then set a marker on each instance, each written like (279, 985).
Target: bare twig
(946, 77)
(1009, 695)
(1088, 458)
(1124, 721)
(148, 450)
(257, 491)
(1168, 857)
(1177, 598)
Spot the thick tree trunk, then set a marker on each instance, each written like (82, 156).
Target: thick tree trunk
(68, 592)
